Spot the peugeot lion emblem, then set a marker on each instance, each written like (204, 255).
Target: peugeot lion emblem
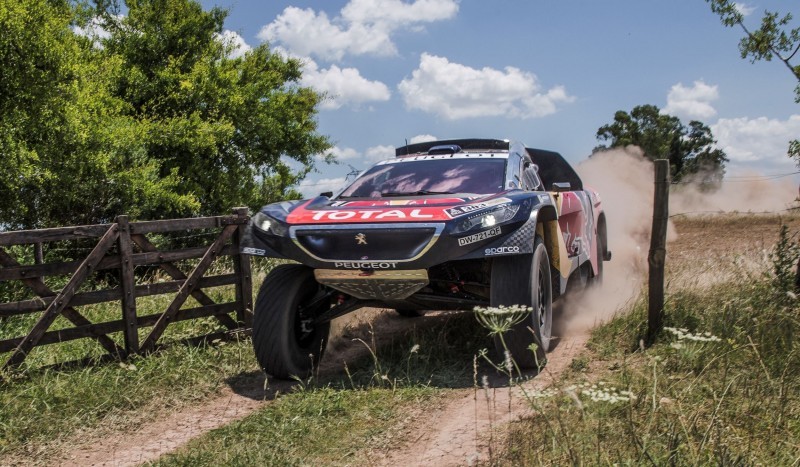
(361, 239)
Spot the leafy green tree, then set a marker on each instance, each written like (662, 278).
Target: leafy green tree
(154, 119)
(69, 154)
(773, 39)
(690, 150)
(234, 130)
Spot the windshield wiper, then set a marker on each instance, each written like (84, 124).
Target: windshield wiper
(415, 193)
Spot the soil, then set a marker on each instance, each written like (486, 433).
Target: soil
(469, 421)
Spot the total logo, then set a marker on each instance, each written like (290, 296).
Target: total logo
(502, 250)
(371, 214)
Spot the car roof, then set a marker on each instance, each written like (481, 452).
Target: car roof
(552, 166)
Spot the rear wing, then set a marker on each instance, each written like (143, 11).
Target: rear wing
(553, 168)
(473, 144)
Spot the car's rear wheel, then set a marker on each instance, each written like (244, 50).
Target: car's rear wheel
(525, 280)
(600, 256)
(286, 342)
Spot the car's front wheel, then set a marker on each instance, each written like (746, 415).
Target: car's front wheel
(525, 280)
(286, 341)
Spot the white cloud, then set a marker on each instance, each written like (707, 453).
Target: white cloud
(93, 30)
(306, 32)
(692, 102)
(364, 27)
(759, 143)
(237, 44)
(422, 139)
(744, 9)
(379, 153)
(344, 154)
(312, 188)
(343, 86)
(455, 91)
(395, 13)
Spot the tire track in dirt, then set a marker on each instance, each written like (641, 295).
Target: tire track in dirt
(463, 430)
(164, 436)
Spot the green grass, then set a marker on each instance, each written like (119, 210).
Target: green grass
(735, 401)
(44, 404)
(43, 409)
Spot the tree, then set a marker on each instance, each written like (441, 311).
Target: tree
(236, 131)
(691, 150)
(773, 39)
(68, 153)
(153, 118)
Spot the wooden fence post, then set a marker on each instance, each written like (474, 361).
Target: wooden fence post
(658, 250)
(131, 330)
(244, 282)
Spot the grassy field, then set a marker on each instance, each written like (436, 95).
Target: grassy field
(720, 386)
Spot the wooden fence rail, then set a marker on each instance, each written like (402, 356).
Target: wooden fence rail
(122, 246)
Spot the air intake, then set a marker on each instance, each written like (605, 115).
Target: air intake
(444, 149)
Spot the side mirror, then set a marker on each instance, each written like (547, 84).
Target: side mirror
(326, 194)
(561, 186)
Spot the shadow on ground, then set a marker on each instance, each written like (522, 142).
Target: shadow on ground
(381, 348)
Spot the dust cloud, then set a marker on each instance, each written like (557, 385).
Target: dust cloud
(624, 179)
(742, 192)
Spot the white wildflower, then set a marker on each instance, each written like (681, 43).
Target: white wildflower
(683, 334)
(607, 393)
(509, 363)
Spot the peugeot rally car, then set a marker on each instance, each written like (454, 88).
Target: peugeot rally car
(444, 225)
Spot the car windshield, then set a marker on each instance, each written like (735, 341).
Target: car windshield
(430, 176)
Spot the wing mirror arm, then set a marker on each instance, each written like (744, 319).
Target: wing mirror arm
(559, 187)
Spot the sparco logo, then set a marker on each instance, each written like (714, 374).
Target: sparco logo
(365, 265)
(501, 250)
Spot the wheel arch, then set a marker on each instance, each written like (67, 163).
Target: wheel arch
(547, 228)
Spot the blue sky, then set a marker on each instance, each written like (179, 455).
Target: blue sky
(548, 73)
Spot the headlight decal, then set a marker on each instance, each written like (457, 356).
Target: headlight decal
(269, 224)
(488, 219)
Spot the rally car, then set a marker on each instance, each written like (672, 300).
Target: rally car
(444, 225)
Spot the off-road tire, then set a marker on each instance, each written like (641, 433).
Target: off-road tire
(602, 247)
(525, 280)
(282, 348)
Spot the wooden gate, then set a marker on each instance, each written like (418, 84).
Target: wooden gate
(122, 246)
